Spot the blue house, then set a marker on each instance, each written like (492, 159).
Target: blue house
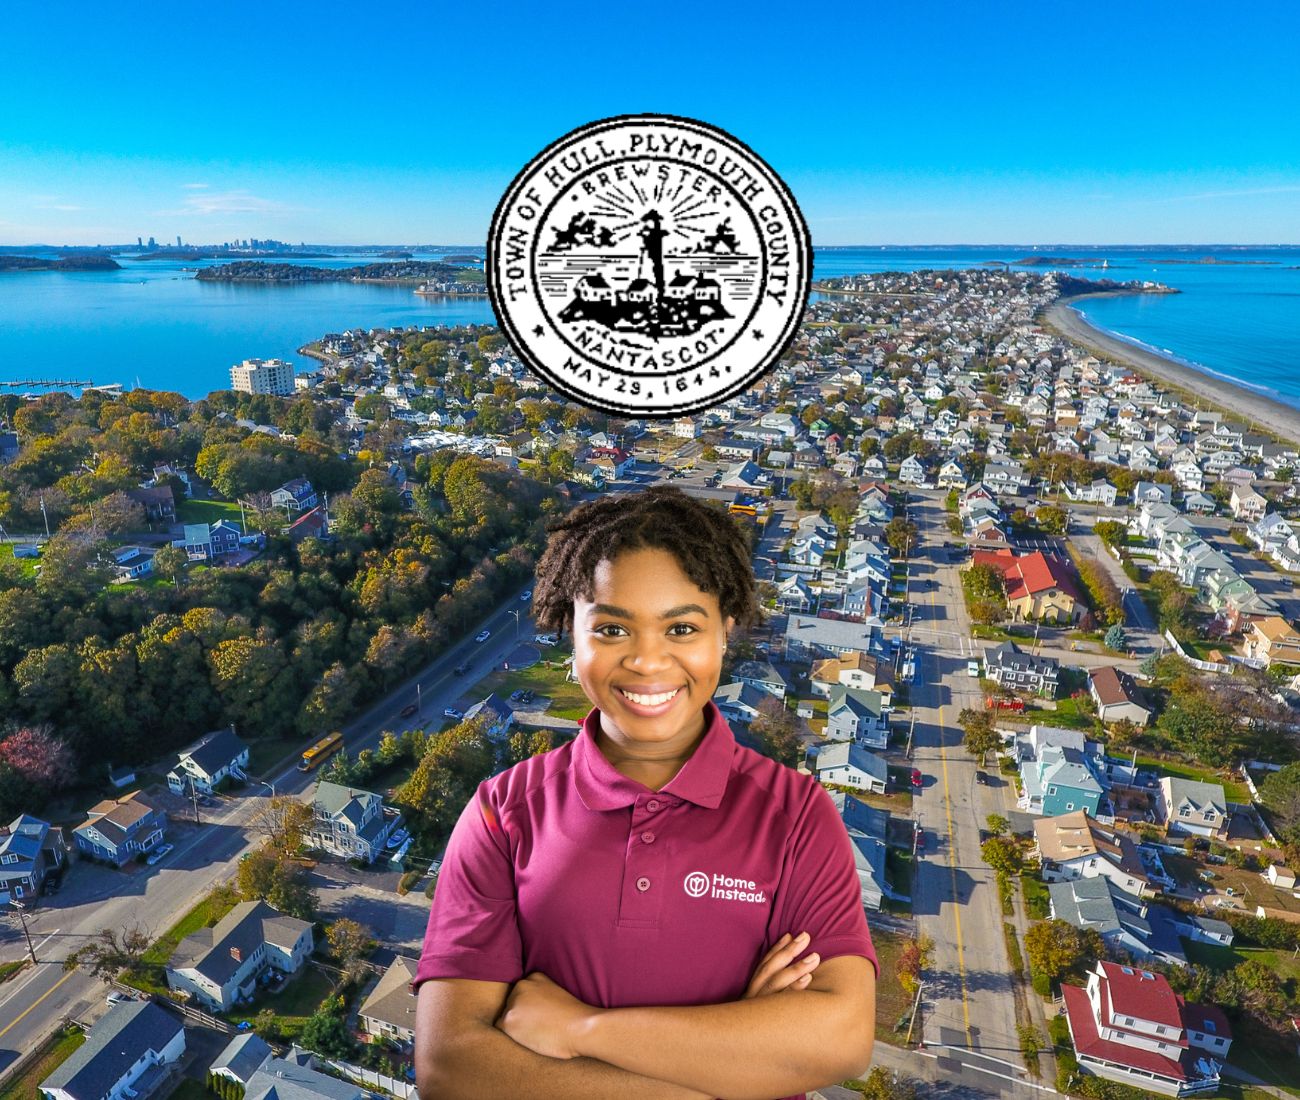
(1061, 772)
(118, 830)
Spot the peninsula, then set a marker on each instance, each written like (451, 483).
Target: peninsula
(63, 263)
(402, 271)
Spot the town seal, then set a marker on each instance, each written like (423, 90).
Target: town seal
(648, 266)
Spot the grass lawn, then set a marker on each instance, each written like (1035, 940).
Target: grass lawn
(1218, 957)
(294, 1005)
(206, 511)
(891, 1001)
(567, 699)
(265, 753)
(1234, 790)
(204, 915)
(26, 566)
(1036, 897)
(9, 969)
(57, 1051)
(1068, 713)
(900, 866)
(190, 1089)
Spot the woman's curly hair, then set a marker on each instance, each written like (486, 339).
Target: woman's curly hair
(707, 542)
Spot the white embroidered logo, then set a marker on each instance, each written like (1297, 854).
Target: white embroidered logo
(723, 887)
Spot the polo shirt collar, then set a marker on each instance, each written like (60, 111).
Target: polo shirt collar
(701, 780)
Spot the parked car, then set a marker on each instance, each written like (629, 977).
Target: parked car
(452, 712)
(917, 778)
(527, 696)
(973, 668)
(526, 596)
(981, 778)
(159, 854)
(116, 998)
(483, 635)
(408, 710)
(516, 695)
(547, 639)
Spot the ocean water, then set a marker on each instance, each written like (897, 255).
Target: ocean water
(152, 324)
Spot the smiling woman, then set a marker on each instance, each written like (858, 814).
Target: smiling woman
(650, 862)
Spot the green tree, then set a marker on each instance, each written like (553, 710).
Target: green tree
(111, 951)
(279, 881)
(326, 1032)
(1003, 854)
(170, 563)
(1111, 532)
(1114, 638)
(981, 737)
(284, 821)
(900, 534)
(1056, 949)
(883, 1084)
(1052, 519)
(998, 825)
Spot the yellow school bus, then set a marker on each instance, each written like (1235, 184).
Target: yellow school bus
(320, 752)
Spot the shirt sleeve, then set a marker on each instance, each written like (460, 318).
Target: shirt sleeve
(473, 929)
(819, 891)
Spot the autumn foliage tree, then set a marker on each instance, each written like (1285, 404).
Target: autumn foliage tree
(38, 756)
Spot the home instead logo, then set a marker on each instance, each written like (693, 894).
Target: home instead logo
(723, 887)
(648, 266)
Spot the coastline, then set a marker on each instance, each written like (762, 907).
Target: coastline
(1264, 413)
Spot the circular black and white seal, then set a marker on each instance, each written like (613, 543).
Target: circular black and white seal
(648, 265)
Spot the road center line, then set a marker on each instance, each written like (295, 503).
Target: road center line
(19, 1018)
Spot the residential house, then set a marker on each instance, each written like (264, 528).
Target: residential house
(497, 714)
(130, 1051)
(1275, 640)
(211, 760)
(241, 1058)
(31, 850)
(1074, 845)
(739, 702)
(686, 428)
(854, 715)
(911, 471)
(862, 671)
(794, 594)
(219, 966)
(1098, 491)
(1153, 492)
(868, 830)
(158, 502)
(296, 1077)
(1010, 667)
(389, 1011)
(809, 637)
(744, 475)
(1120, 918)
(848, 764)
(1247, 504)
(131, 563)
(1128, 1025)
(120, 829)
(296, 496)
(209, 541)
(1038, 586)
(763, 675)
(350, 823)
(1005, 476)
(1117, 696)
(1191, 807)
(313, 525)
(9, 446)
(951, 475)
(1060, 771)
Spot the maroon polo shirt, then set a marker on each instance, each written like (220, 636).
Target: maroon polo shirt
(629, 896)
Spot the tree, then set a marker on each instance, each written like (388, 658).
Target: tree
(284, 822)
(111, 951)
(1052, 519)
(775, 728)
(279, 881)
(1280, 792)
(170, 562)
(349, 944)
(981, 737)
(1111, 532)
(266, 1024)
(883, 1084)
(1114, 638)
(915, 957)
(900, 534)
(38, 756)
(1003, 854)
(326, 1032)
(985, 582)
(1054, 948)
(998, 825)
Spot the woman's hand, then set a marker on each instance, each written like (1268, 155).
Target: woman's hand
(543, 1016)
(779, 971)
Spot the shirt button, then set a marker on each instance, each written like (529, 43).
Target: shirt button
(652, 805)
(643, 884)
(649, 838)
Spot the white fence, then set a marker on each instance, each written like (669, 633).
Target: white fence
(1204, 666)
(405, 1090)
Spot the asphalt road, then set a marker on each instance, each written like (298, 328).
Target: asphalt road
(968, 1000)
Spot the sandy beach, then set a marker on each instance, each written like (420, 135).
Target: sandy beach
(1265, 414)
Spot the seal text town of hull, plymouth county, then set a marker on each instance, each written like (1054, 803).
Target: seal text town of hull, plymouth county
(648, 265)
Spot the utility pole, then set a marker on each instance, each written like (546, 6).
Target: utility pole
(194, 797)
(916, 1007)
(419, 701)
(21, 910)
(45, 517)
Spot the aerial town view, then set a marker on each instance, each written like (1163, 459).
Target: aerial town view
(1023, 519)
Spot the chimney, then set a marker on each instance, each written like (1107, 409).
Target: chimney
(236, 954)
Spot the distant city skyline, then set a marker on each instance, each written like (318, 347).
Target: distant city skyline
(973, 124)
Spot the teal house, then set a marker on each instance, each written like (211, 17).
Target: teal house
(1061, 772)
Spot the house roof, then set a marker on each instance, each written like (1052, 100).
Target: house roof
(288, 1079)
(112, 1047)
(391, 1001)
(835, 754)
(218, 952)
(1199, 794)
(116, 817)
(214, 751)
(243, 1054)
(1074, 835)
(1083, 1028)
(1114, 686)
(740, 693)
(1141, 994)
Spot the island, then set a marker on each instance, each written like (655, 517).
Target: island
(403, 271)
(63, 263)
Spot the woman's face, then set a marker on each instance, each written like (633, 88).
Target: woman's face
(648, 648)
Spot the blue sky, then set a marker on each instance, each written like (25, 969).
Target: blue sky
(902, 123)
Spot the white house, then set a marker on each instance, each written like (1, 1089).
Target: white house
(126, 1053)
(215, 757)
(850, 765)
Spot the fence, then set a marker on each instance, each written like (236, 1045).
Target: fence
(404, 1090)
(1204, 666)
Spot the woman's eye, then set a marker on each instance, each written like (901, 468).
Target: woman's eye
(607, 631)
(682, 630)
